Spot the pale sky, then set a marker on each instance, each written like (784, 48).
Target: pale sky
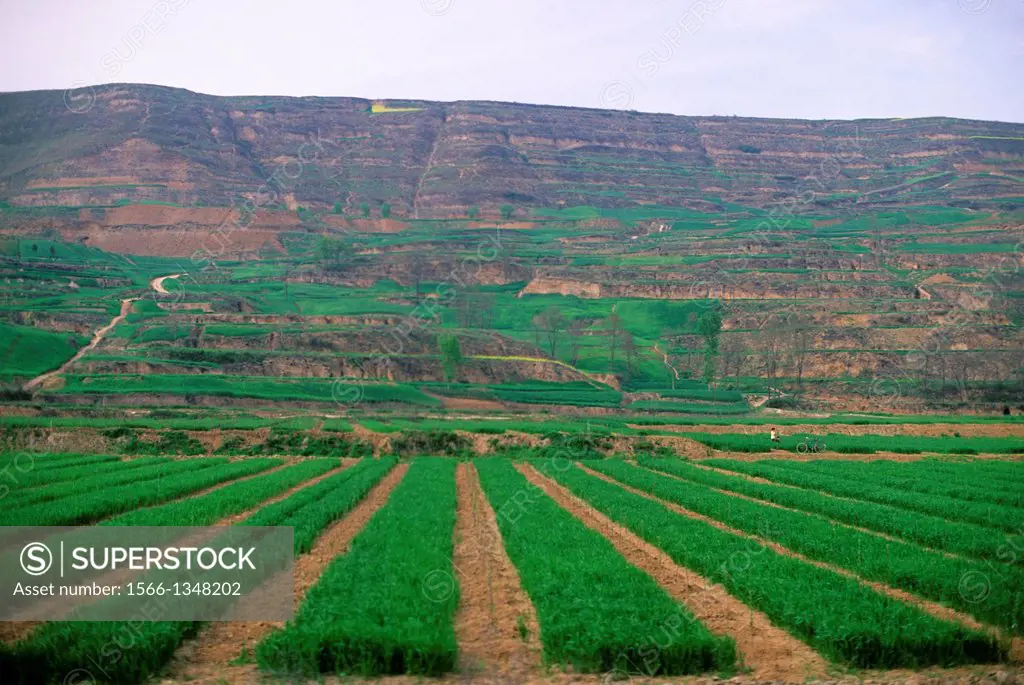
(770, 58)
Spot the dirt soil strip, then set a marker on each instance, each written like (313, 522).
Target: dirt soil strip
(207, 657)
(492, 602)
(771, 653)
(12, 631)
(933, 608)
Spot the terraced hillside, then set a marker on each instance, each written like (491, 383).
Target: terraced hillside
(129, 144)
(163, 248)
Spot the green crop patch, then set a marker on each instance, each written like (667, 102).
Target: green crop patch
(896, 475)
(92, 506)
(840, 618)
(992, 516)
(346, 623)
(262, 387)
(231, 499)
(27, 351)
(929, 574)
(861, 444)
(81, 479)
(597, 614)
(311, 509)
(965, 539)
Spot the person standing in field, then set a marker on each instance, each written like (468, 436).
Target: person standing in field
(774, 436)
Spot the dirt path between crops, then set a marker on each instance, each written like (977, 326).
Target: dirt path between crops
(12, 631)
(97, 338)
(492, 602)
(207, 657)
(932, 608)
(769, 651)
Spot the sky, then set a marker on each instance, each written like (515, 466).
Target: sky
(811, 59)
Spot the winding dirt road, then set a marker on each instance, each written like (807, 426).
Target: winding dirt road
(157, 284)
(126, 307)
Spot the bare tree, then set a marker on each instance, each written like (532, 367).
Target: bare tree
(417, 271)
(614, 331)
(734, 357)
(629, 350)
(551, 322)
(801, 340)
(576, 328)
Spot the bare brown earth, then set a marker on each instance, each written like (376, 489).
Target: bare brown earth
(204, 245)
(467, 403)
(933, 608)
(492, 603)
(380, 441)
(768, 651)
(207, 657)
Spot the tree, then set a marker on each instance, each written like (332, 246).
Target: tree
(629, 349)
(53, 251)
(333, 252)
(364, 209)
(507, 211)
(614, 331)
(552, 323)
(35, 248)
(451, 356)
(801, 342)
(709, 325)
(576, 329)
(385, 211)
(473, 212)
(417, 268)
(337, 208)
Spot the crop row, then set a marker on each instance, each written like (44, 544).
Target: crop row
(960, 538)
(1001, 475)
(963, 486)
(840, 618)
(142, 469)
(374, 610)
(311, 509)
(92, 506)
(596, 612)
(56, 649)
(905, 566)
(30, 469)
(989, 515)
(231, 499)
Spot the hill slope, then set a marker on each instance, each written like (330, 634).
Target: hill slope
(135, 143)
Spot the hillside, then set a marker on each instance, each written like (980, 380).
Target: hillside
(320, 251)
(131, 143)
